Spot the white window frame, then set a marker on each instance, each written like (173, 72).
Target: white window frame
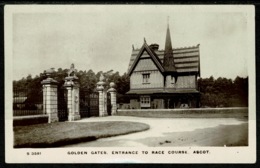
(146, 78)
(172, 80)
(145, 101)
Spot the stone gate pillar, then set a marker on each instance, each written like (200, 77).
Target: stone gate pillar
(112, 91)
(50, 97)
(105, 102)
(100, 89)
(72, 86)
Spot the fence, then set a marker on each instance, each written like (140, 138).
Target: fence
(27, 101)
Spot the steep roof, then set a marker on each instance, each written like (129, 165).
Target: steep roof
(168, 62)
(151, 53)
(186, 60)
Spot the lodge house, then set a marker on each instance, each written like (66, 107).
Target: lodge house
(164, 78)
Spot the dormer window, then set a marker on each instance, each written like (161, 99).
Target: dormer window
(146, 78)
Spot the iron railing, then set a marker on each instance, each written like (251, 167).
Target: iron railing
(27, 101)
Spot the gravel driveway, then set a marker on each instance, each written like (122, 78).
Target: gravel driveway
(167, 132)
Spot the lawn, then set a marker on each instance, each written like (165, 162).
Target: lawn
(64, 133)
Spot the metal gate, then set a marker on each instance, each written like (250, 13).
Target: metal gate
(109, 104)
(94, 104)
(89, 104)
(62, 104)
(84, 104)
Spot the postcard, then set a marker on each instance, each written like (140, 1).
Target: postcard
(130, 84)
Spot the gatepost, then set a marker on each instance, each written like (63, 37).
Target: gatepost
(101, 91)
(50, 103)
(112, 91)
(72, 86)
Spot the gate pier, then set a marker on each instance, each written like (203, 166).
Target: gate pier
(50, 103)
(72, 87)
(112, 92)
(101, 91)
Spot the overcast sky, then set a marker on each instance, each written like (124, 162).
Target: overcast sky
(101, 37)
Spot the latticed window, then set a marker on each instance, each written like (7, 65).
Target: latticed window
(172, 80)
(145, 101)
(146, 78)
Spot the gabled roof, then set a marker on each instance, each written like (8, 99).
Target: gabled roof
(186, 59)
(151, 53)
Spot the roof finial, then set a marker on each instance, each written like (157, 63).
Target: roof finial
(168, 17)
(133, 47)
(144, 40)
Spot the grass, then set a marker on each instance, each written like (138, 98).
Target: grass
(64, 133)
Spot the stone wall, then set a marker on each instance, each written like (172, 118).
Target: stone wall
(30, 120)
(238, 112)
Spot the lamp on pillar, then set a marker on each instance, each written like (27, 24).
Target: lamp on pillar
(72, 86)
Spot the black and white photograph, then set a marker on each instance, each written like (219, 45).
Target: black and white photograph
(130, 84)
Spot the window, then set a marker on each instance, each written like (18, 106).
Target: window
(146, 78)
(145, 101)
(172, 80)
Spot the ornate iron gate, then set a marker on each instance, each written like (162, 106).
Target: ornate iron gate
(94, 104)
(109, 107)
(84, 104)
(89, 104)
(62, 104)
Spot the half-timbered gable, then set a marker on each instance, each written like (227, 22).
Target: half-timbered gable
(146, 70)
(164, 78)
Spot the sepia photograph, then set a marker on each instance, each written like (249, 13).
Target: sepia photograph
(130, 84)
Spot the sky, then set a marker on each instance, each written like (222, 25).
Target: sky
(101, 37)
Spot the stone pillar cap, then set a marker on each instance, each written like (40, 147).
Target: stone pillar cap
(71, 81)
(111, 90)
(49, 81)
(101, 83)
(100, 88)
(71, 78)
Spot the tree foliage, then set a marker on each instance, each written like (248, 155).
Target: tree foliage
(87, 81)
(220, 92)
(223, 92)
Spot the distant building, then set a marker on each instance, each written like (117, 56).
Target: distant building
(164, 78)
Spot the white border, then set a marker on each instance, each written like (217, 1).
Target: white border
(59, 155)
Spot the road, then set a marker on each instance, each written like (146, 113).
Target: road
(175, 132)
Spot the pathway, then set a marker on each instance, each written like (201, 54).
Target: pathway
(160, 129)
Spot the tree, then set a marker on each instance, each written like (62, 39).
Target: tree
(223, 92)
